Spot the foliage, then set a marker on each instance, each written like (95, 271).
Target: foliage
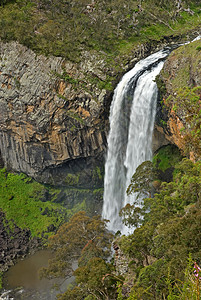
(84, 239)
(80, 234)
(142, 179)
(169, 231)
(1, 281)
(166, 157)
(72, 179)
(157, 250)
(190, 286)
(141, 185)
(24, 201)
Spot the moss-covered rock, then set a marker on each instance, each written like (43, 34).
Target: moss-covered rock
(179, 104)
(75, 199)
(165, 161)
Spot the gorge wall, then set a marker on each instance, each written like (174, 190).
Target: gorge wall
(54, 113)
(46, 120)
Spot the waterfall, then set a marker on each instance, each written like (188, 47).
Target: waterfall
(132, 115)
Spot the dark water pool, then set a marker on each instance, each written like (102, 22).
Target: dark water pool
(22, 280)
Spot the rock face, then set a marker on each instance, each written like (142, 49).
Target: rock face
(181, 70)
(54, 114)
(49, 115)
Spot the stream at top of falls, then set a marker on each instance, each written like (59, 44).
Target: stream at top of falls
(132, 116)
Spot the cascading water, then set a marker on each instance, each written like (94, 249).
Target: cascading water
(132, 115)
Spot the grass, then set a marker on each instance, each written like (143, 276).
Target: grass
(67, 31)
(188, 58)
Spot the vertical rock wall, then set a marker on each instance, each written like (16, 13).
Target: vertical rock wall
(48, 115)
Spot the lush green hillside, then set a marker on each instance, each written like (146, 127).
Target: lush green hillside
(66, 28)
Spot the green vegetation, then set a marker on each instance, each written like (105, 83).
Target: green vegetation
(72, 179)
(180, 94)
(168, 233)
(1, 281)
(188, 59)
(168, 223)
(97, 175)
(161, 252)
(66, 28)
(188, 100)
(166, 157)
(86, 240)
(24, 201)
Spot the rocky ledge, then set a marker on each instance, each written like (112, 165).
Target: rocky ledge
(54, 113)
(14, 243)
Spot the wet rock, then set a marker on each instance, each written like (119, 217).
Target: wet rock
(14, 243)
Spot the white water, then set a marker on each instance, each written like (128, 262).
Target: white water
(132, 117)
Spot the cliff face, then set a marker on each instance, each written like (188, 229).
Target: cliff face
(45, 119)
(54, 113)
(179, 84)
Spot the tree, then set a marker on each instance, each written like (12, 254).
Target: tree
(85, 240)
(141, 185)
(80, 235)
(141, 181)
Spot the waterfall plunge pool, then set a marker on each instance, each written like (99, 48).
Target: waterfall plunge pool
(22, 280)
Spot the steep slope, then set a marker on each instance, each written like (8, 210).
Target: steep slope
(180, 88)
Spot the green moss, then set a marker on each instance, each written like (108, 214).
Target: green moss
(167, 157)
(24, 202)
(67, 78)
(91, 199)
(97, 174)
(98, 191)
(77, 207)
(188, 60)
(101, 84)
(72, 179)
(160, 84)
